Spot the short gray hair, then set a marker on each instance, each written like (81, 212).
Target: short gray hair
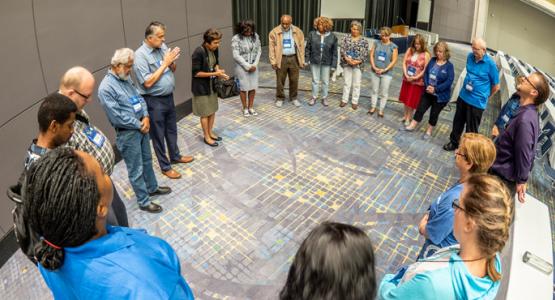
(480, 42)
(122, 56)
(357, 25)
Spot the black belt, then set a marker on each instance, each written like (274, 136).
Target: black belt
(290, 55)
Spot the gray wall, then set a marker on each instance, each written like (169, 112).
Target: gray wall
(42, 39)
(453, 19)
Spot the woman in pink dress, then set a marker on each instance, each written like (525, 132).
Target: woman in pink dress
(414, 65)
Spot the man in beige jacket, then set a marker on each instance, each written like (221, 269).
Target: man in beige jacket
(286, 49)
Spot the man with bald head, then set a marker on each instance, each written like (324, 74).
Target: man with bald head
(78, 84)
(286, 51)
(480, 84)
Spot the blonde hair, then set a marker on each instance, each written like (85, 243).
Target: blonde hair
(385, 31)
(422, 41)
(488, 203)
(478, 150)
(324, 21)
(445, 47)
(357, 25)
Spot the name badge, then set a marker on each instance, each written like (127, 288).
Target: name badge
(381, 55)
(469, 86)
(287, 43)
(433, 76)
(93, 136)
(160, 64)
(136, 103)
(411, 70)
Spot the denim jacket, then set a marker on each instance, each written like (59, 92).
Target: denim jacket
(321, 54)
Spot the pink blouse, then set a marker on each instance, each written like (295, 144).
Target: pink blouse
(415, 64)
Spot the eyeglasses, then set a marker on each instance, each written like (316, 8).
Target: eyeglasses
(530, 82)
(78, 93)
(456, 205)
(460, 154)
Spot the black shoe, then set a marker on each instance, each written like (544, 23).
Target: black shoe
(151, 208)
(450, 146)
(218, 139)
(161, 190)
(214, 144)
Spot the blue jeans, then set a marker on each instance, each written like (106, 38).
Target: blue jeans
(320, 72)
(135, 150)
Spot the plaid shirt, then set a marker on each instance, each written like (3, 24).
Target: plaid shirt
(80, 141)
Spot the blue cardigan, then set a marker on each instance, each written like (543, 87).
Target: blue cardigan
(444, 79)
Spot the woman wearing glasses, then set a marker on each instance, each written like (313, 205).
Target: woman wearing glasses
(472, 269)
(476, 154)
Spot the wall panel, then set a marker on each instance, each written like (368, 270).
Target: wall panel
(16, 136)
(204, 14)
(21, 76)
(137, 14)
(77, 32)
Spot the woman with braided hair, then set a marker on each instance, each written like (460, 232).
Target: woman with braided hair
(81, 257)
(472, 269)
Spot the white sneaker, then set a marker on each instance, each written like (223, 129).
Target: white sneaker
(296, 103)
(312, 101)
(246, 113)
(253, 112)
(279, 103)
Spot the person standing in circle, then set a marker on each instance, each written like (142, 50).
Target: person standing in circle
(354, 50)
(414, 65)
(438, 78)
(205, 67)
(321, 54)
(245, 45)
(383, 57)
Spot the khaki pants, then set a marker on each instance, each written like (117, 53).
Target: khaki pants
(289, 66)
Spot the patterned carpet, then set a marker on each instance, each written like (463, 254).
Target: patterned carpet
(239, 213)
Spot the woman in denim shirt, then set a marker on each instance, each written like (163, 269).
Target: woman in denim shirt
(354, 52)
(321, 54)
(438, 79)
(246, 50)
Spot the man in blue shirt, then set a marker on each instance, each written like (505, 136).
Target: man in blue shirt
(127, 112)
(516, 146)
(154, 68)
(480, 84)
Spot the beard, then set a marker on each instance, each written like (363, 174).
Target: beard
(123, 76)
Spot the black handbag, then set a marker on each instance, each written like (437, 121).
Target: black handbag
(227, 88)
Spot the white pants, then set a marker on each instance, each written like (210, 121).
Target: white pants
(352, 78)
(380, 83)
